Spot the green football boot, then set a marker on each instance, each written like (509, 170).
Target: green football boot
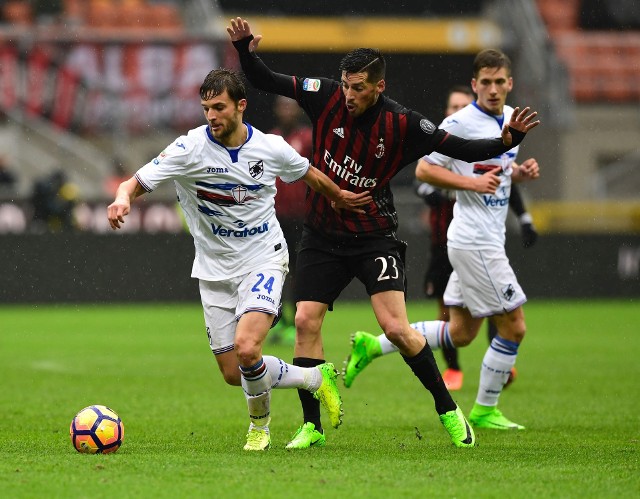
(307, 436)
(490, 417)
(364, 348)
(459, 430)
(258, 438)
(328, 394)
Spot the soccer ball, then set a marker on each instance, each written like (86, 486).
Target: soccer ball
(96, 430)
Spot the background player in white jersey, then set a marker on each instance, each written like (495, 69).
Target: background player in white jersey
(225, 173)
(482, 283)
(441, 204)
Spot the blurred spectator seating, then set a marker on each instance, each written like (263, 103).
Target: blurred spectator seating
(603, 65)
(17, 13)
(125, 14)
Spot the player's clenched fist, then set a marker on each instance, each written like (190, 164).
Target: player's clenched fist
(121, 206)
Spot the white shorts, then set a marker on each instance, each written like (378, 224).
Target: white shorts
(483, 282)
(224, 302)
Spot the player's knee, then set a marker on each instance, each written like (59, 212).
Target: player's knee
(517, 333)
(395, 333)
(513, 329)
(247, 351)
(307, 325)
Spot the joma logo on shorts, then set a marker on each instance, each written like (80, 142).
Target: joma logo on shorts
(219, 230)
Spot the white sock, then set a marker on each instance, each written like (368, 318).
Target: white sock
(496, 366)
(256, 383)
(435, 332)
(285, 375)
(385, 345)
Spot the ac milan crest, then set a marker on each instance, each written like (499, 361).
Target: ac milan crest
(380, 149)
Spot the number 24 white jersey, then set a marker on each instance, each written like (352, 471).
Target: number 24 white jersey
(228, 197)
(478, 219)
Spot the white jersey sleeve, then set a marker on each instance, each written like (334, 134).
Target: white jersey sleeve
(170, 164)
(294, 166)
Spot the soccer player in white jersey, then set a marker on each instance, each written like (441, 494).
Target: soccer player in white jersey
(482, 283)
(225, 173)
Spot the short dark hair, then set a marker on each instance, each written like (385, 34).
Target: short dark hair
(491, 58)
(363, 60)
(460, 89)
(219, 80)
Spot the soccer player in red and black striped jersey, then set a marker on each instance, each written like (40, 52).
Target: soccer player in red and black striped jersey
(361, 140)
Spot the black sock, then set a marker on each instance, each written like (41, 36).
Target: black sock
(451, 358)
(425, 368)
(310, 406)
(492, 331)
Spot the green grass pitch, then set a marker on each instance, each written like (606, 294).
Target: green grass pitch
(577, 393)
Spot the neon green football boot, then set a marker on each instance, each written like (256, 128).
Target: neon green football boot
(483, 416)
(328, 394)
(305, 437)
(364, 348)
(258, 438)
(459, 430)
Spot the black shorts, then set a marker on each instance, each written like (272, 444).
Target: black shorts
(437, 276)
(326, 266)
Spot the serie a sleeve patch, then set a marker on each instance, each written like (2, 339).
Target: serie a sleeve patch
(311, 85)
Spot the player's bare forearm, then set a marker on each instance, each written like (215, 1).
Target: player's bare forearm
(121, 206)
(348, 200)
(440, 177)
(256, 71)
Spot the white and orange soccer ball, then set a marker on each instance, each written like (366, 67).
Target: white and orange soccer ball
(96, 430)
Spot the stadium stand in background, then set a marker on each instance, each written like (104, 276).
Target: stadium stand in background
(599, 41)
(83, 81)
(105, 14)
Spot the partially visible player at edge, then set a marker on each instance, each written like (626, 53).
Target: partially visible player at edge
(361, 140)
(224, 174)
(483, 283)
(440, 202)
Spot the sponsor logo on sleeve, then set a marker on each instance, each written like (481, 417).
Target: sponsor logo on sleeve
(427, 126)
(160, 157)
(311, 85)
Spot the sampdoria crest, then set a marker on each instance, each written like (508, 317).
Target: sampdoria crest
(256, 169)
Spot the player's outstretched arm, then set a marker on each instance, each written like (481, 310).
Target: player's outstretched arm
(239, 28)
(439, 176)
(121, 206)
(471, 150)
(341, 199)
(522, 121)
(256, 71)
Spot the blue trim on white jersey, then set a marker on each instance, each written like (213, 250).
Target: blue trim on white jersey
(233, 153)
(499, 119)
